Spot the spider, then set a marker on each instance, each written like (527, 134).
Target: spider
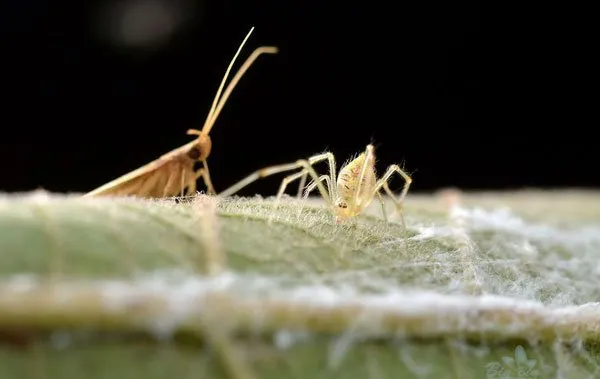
(348, 194)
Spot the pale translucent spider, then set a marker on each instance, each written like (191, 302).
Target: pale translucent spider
(348, 194)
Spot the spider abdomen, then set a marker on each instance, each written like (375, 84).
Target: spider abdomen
(348, 183)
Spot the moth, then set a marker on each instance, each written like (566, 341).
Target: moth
(174, 173)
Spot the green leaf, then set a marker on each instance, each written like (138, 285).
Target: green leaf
(496, 284)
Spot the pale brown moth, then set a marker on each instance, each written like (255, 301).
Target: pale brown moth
(174, 174)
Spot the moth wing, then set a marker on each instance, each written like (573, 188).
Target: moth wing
(157, 171)
(130, 183)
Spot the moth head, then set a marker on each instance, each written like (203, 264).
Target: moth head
(201, 149)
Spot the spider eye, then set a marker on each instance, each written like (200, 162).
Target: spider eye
(342, 205)
(194, 153)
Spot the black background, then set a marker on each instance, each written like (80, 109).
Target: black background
(85, 102)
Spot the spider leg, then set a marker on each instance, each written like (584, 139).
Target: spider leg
(301, 185)
(271, 170)
(332, 174)
(380, 198)
(368, 162)
(383, 183)
(311, 187)
(307, 168)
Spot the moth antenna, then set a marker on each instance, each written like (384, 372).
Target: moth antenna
(218, 95)
(234, 81)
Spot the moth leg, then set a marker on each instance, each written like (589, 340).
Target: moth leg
(191, 185)
(205, 173)
(202, 173)
(182, 185)
(148, 186)
(170, 186)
